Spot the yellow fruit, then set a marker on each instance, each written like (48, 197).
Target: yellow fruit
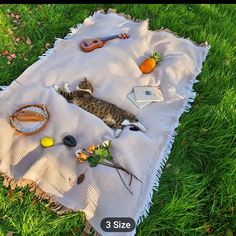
(47, 142)
(148, 65)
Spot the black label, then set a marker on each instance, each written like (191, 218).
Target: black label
(118, 224)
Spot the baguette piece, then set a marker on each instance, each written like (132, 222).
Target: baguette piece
(27, 115)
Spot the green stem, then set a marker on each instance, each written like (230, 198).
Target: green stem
(106, 164)
(118, 166)
(128, 172)
(123, 181)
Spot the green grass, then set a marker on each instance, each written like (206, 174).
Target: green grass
(198, 186)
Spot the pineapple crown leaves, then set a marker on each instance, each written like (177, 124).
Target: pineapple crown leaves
(156, 56)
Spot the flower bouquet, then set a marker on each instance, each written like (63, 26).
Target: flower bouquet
(100, 154)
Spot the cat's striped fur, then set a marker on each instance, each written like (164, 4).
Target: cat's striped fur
(112, 115)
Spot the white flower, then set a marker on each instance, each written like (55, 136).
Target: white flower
(78, 152)
(106, 143)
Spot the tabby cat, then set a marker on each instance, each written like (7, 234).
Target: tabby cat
(112, 115)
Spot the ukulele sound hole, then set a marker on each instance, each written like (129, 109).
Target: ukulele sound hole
(95, 41)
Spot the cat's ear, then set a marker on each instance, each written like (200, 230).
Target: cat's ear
(85, 79)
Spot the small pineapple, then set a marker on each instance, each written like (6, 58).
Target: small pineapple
(148, 65)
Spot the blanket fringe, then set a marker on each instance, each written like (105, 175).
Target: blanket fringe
(128, 17)
(205, 44)
(168, 148)
(55, 206)
(156, 179)
(165, 155)
(88, 229)
(75, 29)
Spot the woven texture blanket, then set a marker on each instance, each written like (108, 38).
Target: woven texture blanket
(114, 71)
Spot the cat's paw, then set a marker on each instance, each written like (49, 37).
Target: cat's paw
(117, 133)
(142, 127)
(66, 87)
(56, 87)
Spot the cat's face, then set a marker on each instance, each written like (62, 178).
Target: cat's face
(85, 84)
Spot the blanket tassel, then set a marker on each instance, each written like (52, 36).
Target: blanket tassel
(56, 207)
(12, 184)
(88, 229)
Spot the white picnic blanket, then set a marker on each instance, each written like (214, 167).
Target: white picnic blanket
(114, 71)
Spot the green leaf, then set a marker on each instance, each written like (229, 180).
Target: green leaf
(96, 158)
(99, 152)
(106, 152)
(102, 152)
(93, 164)
(91, 159)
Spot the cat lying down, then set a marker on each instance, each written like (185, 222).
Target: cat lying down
(112, 115)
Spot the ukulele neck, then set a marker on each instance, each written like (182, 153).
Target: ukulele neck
(110, 37)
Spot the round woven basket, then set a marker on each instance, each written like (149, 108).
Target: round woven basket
(42, 107)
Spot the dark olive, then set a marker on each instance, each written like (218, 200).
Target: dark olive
(69, 141)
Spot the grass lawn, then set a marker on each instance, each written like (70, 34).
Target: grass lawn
(197, 191)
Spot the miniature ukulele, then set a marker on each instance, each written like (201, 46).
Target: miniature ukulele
(88, 45)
